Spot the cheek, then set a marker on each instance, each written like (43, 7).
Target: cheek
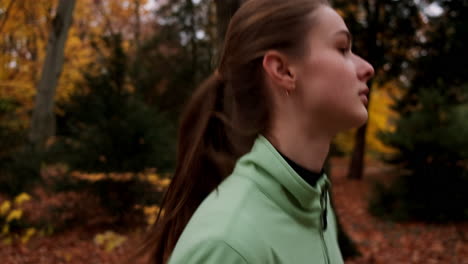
(327, 80)
(329, 92)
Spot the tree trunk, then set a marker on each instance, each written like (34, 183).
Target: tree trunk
(137, 28)
(43, 119)
(356, 167)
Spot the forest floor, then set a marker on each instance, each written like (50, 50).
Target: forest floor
(379, 241)
(385, 242)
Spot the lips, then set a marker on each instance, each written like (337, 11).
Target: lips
(363, 94)
(364, 99)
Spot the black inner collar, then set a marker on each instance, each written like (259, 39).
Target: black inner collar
(311, 177)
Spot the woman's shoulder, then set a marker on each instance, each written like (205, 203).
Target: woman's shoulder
(208, 251)
(230, 211)
(227, 220)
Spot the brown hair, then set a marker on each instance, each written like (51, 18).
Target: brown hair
(227, 111)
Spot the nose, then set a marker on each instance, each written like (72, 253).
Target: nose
(365, 70)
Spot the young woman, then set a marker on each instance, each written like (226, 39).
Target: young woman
(249, 185)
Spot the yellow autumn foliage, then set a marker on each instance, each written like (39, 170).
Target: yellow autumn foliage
(151, 213)
(109, 240)
(22, 197)
(158, 181)
(11, 211)
(25, 35)
(149, 176)
(5, 229)
(27, 235)
(380, 119)
(5, 207)
(14, 215)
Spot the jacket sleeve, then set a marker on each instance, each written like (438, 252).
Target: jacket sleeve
(208, 252)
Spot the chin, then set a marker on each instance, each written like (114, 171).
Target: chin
(357, 120)
(362, 119)
(346, 119)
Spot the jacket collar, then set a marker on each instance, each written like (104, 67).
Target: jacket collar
(276, 179)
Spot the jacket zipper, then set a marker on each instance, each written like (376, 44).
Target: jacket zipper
(323, 221)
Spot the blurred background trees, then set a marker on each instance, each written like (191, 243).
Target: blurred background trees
(431, 131)
(415, 47)
(129, 67)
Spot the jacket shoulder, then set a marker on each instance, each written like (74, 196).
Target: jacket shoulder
(210, 251)
(225, 222)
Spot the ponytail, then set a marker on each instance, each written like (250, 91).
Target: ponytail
(205, 156)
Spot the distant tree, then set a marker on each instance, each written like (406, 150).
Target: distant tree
(178, 56)
(43, 119)
(225, 9)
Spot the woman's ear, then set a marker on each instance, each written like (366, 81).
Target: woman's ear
(279, 70)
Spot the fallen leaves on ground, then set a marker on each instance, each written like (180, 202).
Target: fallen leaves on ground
(379, 241)
(386, 242)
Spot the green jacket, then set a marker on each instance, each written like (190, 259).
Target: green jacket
(264, 212)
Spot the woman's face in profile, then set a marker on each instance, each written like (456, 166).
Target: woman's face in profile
(331, 79)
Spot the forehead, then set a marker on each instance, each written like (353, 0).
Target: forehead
(328, 23)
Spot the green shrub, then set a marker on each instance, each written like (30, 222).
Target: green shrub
(433, 160)
(107, 128)
(20, 172)
(19, 168)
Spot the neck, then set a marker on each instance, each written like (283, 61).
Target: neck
(307, 150)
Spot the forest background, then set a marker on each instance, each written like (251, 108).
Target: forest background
(90, 97)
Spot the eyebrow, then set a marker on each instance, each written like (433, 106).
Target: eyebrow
(346, 32)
